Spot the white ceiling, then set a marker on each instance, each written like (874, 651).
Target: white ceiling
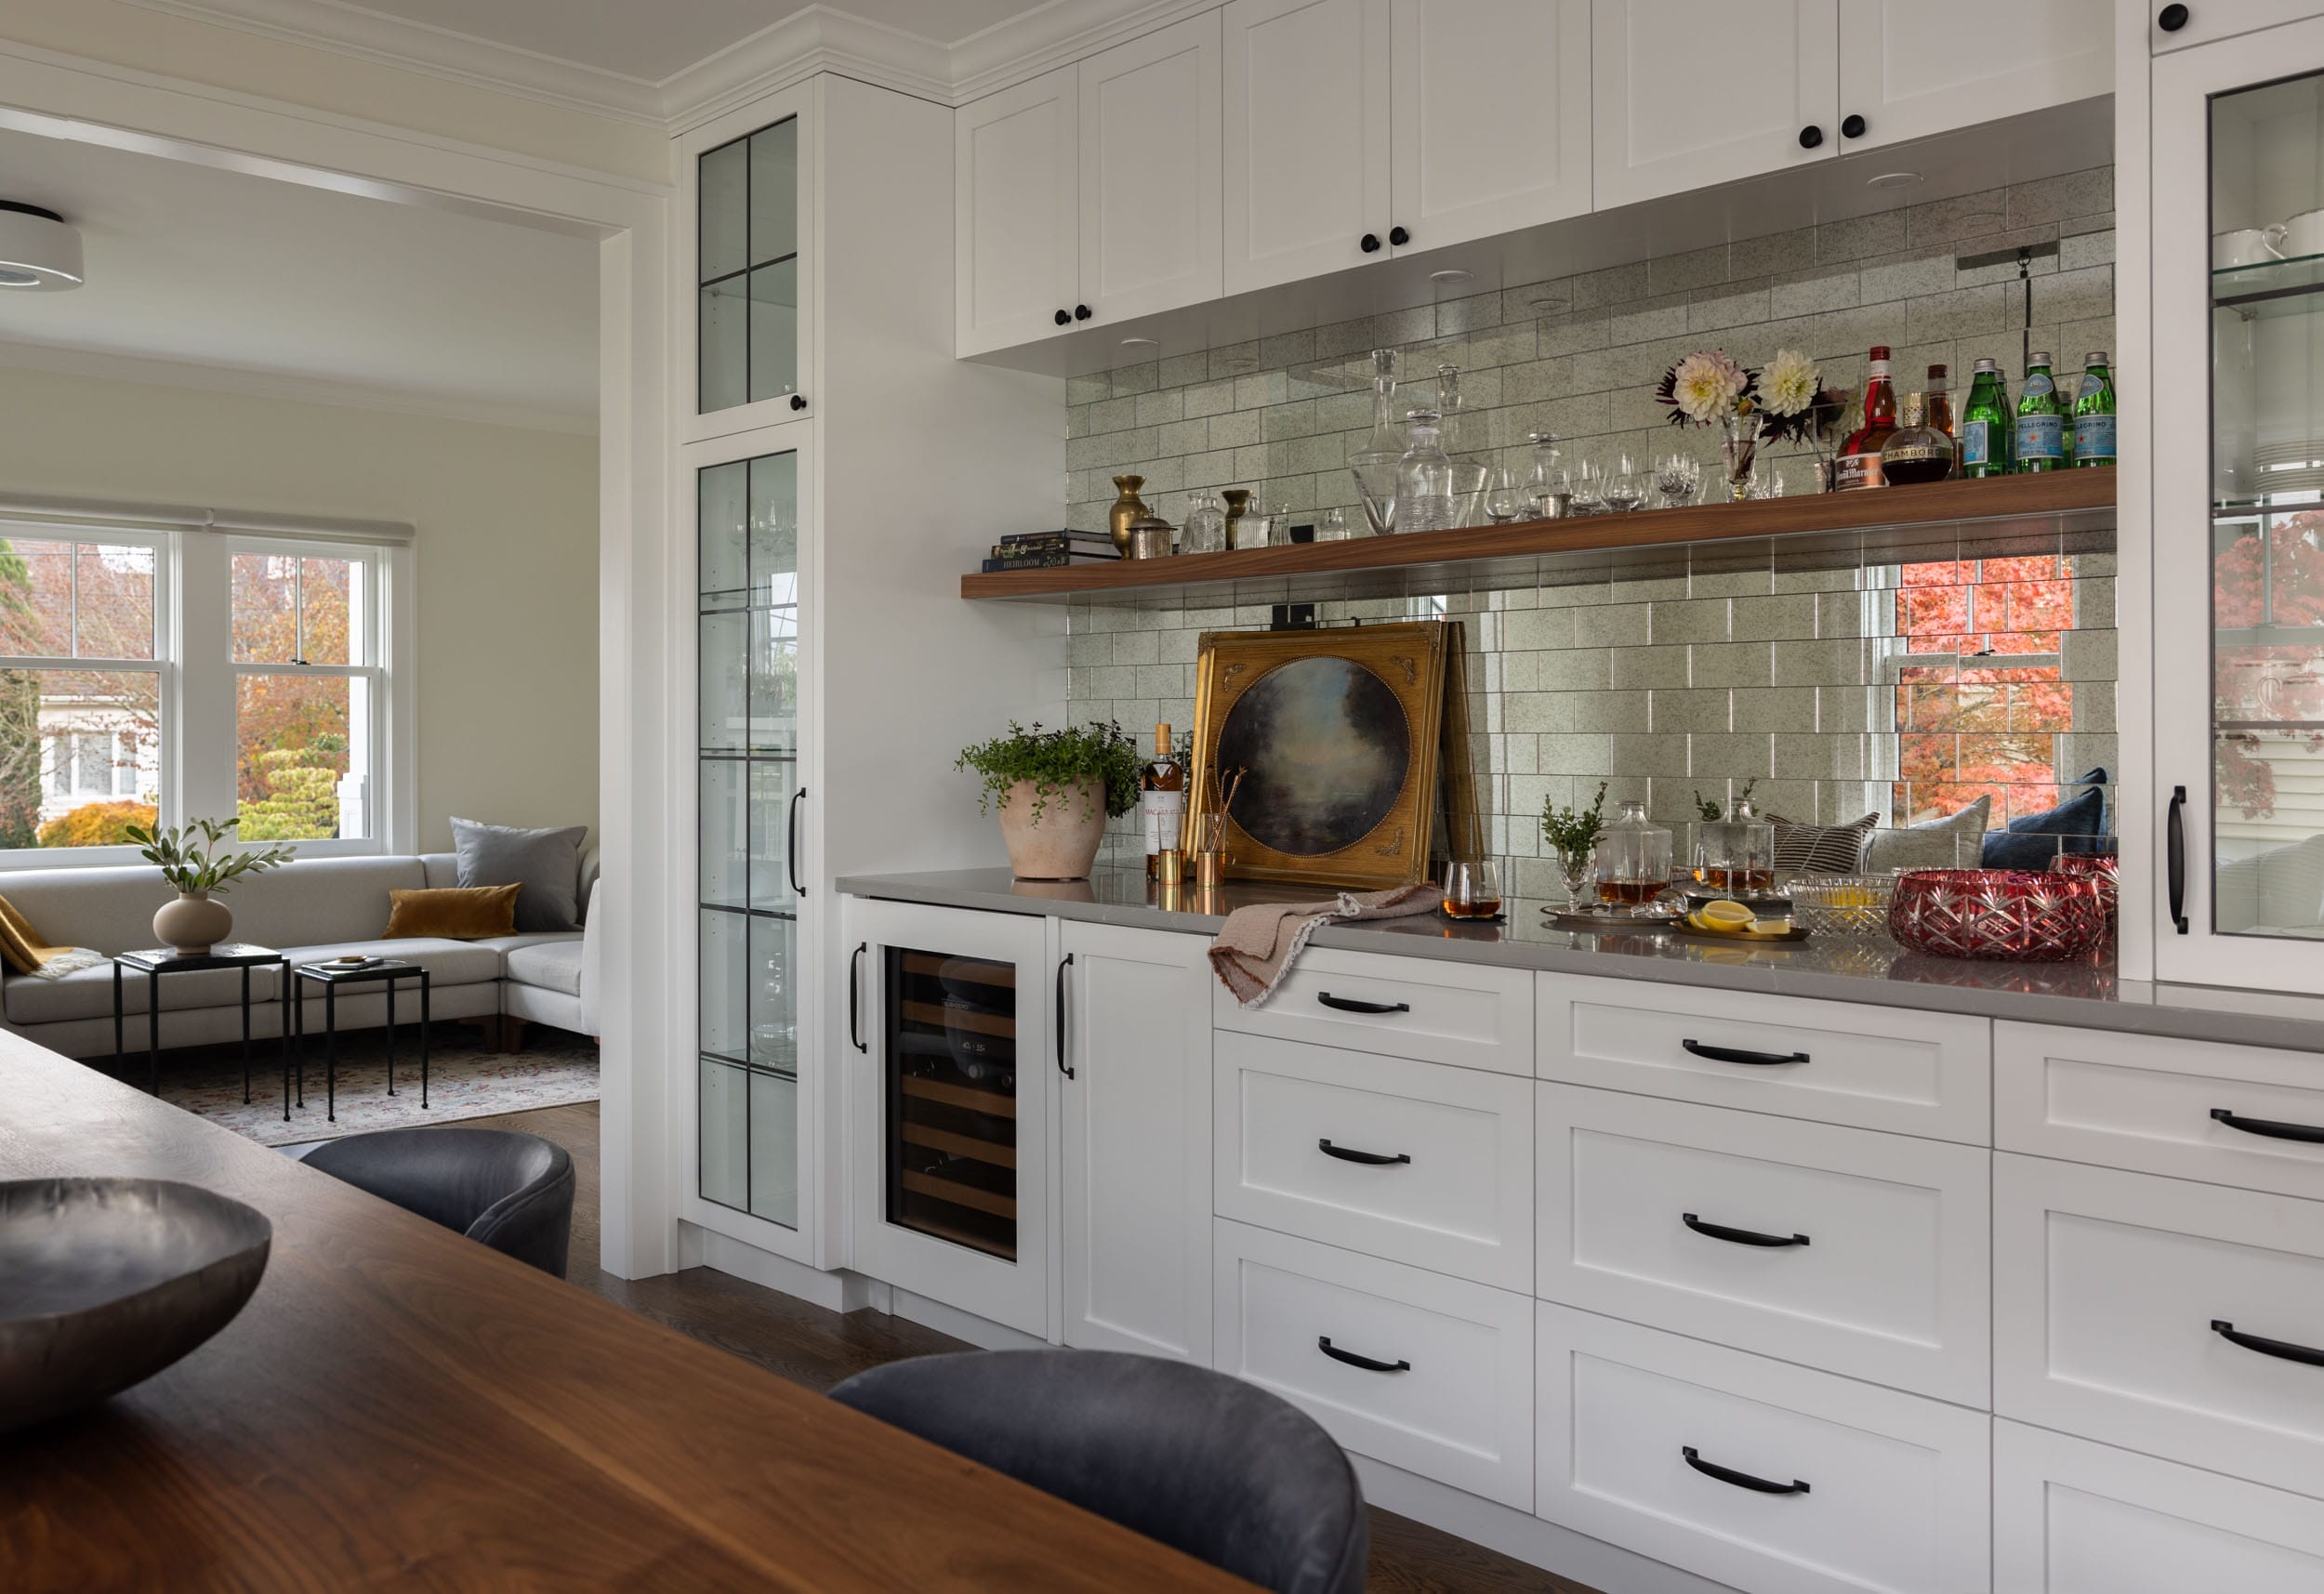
(275, 286)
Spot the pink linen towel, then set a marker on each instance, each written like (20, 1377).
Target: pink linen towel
(1255, 947)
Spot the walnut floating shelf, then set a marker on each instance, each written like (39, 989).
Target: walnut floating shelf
(2069, 511)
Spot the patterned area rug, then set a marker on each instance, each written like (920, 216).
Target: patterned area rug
(464, 1081)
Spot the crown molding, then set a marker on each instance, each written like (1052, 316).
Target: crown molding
(1059, 34)
(816, 39)
(58, 360)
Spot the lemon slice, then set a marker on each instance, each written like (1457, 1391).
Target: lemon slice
(1767, 927)
(1726, 915)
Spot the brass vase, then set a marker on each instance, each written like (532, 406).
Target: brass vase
(1238, 500)
(1125, 509)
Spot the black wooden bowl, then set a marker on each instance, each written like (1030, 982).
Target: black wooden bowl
(105, 1282)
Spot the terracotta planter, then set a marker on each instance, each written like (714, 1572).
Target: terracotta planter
(194, 924)
(1063, 842)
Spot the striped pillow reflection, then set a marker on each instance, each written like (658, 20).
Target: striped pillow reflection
(1821, 848)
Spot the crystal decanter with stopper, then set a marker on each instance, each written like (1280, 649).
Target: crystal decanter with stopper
(1633, 861)
(1471, 461)
(1424, 477)
(1205, 528)
(1374, 465)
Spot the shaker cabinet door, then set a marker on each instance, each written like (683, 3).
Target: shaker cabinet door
(1688, 93)
(1910, 69)
(1150, 178)
(1491, 123)
(1017, 227)
(1307, 128)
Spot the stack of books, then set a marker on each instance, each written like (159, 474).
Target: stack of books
(1050, 550)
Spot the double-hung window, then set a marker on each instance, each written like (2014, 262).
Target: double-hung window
(307, 692)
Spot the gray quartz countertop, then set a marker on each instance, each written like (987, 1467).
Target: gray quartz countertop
(1828, 968)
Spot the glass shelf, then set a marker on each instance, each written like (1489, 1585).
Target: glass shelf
(2270, 287)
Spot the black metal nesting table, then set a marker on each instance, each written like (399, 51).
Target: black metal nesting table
(331, 979)
(154, 962)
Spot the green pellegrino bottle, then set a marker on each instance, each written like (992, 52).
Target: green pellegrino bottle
(2093, 413)
(2041, 419)
(1989, 431)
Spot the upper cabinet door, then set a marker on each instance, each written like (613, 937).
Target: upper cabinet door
(1149, 178)
(1307, 87)
(1017, 225)
(1689, 93)
(2209, 19)
(1491, 117)
(1909, 69)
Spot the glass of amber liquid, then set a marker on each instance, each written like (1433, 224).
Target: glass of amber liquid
(1473, 889)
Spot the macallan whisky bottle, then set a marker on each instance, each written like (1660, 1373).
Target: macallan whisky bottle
(1162, 796)
(1859, 462)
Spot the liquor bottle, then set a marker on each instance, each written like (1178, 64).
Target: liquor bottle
(1988, 427)
(2041, 419)
(2093, 413)
(1859, 463)
(1162, 794)
(1916, 452)
(1938, 412)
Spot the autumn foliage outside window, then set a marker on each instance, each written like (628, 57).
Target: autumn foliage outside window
(1981, 713)
(296, 732)
(2263, 587)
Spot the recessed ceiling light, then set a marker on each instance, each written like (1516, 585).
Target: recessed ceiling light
(1549, 302)
(38, 252)
(1452, 275)
(1139, 343)
(1893, 179)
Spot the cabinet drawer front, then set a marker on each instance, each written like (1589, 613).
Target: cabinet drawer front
(2146, 1103)
(1837, 1062)
(2070, 1517)
(1438, 1012)
(1301, 1130)
(1885, 1275)
(1896, 1494)
(1460, 1407)
(2106, 1287)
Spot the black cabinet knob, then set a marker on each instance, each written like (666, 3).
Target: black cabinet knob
(1852, 128)
(798, 401)
(2171, 19)
(1065, 318)
(1811, 136)
(1081, 312)
(1398, 236)
(1370, 245)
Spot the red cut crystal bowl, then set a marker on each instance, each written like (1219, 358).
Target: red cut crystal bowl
(2105, 868)
(2005, 915)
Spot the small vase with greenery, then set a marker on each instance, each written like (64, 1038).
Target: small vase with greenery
(194, 860)
(1054, 791)
(1573, 836)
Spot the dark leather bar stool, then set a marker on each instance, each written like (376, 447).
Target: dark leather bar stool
(512, 1192)
(1205, 1463)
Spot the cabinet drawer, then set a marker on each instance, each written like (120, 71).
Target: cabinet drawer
(1879, 1490)
(1886, 1272)
(1837, 1062)
(2070, 1517)
(2106, 1286)
(1438, 1012)
(1301, 1130)
(1450, 1393)
(2150, 1104)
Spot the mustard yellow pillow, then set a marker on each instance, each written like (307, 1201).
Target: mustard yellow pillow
(453, 913)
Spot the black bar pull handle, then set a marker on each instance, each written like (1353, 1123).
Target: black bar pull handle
(1739, 1236)
(1350, 1004)
(1323, 1343)
(2270, 1127)
(1740, 1480)
(790, 846)
(2174, 850)
(1373, 1159)
(1750, 1058)
(855, 997)
(1063, 1066)
(2284, 1350)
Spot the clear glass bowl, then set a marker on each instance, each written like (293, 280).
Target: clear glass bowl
(1841, 905)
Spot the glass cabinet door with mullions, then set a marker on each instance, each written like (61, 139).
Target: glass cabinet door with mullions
(749, 791)
(747, 269)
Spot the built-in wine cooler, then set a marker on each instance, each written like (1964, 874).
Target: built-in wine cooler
(951, 1040)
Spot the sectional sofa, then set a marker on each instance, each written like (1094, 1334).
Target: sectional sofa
(313, 908)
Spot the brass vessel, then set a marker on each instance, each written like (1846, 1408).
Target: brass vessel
(1124, 508)
(1238, 500)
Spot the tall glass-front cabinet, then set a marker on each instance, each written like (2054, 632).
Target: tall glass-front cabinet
(2238, 509)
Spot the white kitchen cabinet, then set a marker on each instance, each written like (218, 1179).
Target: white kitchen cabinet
(1017, 222)
(1908, 70)
(1151, 201)
(1688, 93)
(1307, 138)
(1135, 1121)
(2208, 20)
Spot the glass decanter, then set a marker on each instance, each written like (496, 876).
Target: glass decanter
(1633, 861)
(1548, 484)
(1374, 465)
(1737, 854)
(1424, 477)
(1205, 527)
(1463, 436)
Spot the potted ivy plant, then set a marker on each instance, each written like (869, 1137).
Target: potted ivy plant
(1054, 791)
(193, 858)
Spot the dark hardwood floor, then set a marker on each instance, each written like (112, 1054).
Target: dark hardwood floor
(810, 1346)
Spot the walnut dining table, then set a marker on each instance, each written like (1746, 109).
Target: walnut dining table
(398, 1407)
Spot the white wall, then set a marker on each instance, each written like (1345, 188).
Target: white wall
(508, 555)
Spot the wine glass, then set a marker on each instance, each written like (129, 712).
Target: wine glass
(1625, 485)
(1588, 488)
(1677, 476)
(1333, 527)
(1505, 497)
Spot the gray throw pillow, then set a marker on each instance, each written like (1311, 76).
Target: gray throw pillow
(546, 863)
(1952, 842)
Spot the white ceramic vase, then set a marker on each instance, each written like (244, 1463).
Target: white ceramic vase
(194, 924)
(1063, 842)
